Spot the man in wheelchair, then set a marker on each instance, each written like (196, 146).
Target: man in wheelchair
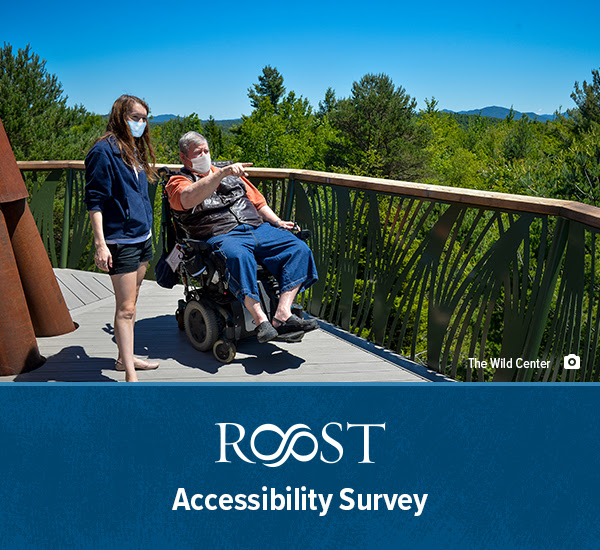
(220, 206)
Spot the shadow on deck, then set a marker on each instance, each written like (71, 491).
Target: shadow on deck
(88, 354)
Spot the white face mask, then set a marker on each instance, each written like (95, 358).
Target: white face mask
(201, 164)
(137, 128)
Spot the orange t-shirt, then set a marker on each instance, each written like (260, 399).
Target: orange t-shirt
(178, 183)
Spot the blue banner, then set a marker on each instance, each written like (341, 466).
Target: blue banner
(299, 466)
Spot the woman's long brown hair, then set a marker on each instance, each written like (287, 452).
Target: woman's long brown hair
(134, 151)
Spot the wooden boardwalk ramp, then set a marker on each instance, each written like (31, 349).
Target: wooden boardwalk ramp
(88, 354)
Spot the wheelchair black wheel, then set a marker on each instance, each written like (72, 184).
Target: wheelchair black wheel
(201, 325)
(223, 351)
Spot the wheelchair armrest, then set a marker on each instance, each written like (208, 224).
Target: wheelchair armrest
(303, 234)
(197, 246)
(165, 173)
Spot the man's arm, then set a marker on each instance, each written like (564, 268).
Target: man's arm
(267, 214)
(264, 210)
(199, 191)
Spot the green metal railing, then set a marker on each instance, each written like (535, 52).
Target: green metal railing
(56, 200)
(474, 285)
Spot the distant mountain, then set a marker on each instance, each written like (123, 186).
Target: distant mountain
(162, 118)
(502, 112)
(225, 124)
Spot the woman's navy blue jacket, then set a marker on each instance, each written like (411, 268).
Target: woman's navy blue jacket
(113, 188)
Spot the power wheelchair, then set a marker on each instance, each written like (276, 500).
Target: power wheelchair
(211, 316)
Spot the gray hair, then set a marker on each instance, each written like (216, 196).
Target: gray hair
(189, 139)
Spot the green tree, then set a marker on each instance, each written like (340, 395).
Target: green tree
(450, 160)
(214, 136)
(518, 141)
(581, 168)
(269, 86)
(572, 149)
(34, 111)
(328, 105)
(291, 137)
(282, 131)
(165, 136)
(587, 99)
(431, 106)
(378, 130)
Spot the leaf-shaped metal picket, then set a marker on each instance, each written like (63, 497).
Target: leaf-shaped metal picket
(81, 230)
(453, 283)
(448, 284)
(42, 193)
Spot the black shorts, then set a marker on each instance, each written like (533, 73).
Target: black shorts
(126, 258)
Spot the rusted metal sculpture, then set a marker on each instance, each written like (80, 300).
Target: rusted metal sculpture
(31, 303)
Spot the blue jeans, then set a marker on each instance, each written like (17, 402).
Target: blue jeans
(288, 258)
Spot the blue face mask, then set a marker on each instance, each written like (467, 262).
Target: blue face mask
(137, 128)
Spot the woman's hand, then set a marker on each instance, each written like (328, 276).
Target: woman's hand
(103, 257)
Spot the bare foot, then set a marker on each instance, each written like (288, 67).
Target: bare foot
(138, 364)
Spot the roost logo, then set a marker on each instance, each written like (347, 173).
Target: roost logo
(232, 439)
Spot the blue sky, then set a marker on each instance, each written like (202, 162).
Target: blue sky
(467, 54)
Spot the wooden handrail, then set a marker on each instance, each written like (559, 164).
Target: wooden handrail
(576, 211)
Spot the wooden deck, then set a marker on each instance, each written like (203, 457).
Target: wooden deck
(88, 354)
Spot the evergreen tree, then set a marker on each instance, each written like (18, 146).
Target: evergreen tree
(165, 136)
(291, 137)
(328, 104)
(34, 111)
(518, 140)
(377, 125)
(431, 106)
(587, 99)
(214, 136)
(579, 175)
(270, 86)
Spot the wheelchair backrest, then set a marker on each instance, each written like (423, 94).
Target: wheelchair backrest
(170, 232)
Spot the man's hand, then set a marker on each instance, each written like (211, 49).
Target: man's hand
(194, 194)
(290, 226)
(238, 169)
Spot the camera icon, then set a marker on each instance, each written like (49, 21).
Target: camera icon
(572, 361)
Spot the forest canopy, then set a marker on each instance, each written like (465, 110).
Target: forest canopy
(376, 131)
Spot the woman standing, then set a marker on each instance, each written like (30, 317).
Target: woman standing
(116, 195)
